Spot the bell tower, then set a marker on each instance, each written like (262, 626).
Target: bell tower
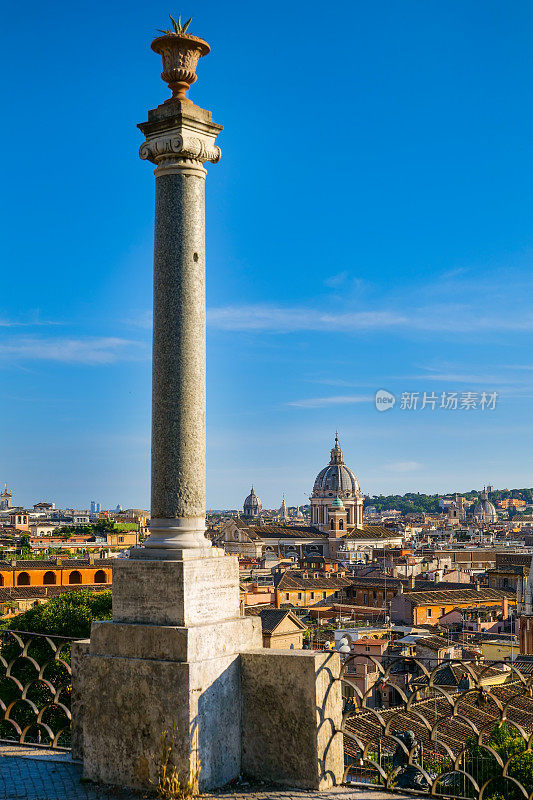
(524, 598)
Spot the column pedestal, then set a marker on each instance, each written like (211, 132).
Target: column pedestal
(168, 662)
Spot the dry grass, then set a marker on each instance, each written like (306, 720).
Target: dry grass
(169, 783)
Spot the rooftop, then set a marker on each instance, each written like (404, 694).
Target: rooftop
(448, 596)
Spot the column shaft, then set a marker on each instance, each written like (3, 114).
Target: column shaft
(179, 368)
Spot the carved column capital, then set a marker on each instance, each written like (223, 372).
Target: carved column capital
(180, 151)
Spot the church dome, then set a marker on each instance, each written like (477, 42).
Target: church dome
(485, 510)
(336, 478)
(252, 504)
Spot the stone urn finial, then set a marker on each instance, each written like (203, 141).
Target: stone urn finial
(180, 52)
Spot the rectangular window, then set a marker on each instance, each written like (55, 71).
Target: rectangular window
(442, 612)
(374, 595)
(299, 595)
(365, 599)
(323, 595)
(367, 648)
(430, 612)
(312, 595)
(287, 596)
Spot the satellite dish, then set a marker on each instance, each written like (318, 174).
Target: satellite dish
(344, 645)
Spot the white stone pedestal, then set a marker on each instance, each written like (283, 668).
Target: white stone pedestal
(168, 661)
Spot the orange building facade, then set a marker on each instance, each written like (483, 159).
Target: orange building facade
(69, 572)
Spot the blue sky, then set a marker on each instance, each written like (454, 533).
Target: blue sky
(369, 227)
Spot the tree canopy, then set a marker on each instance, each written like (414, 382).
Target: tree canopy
(68, 614)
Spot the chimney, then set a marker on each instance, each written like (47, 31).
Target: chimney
(412, 582)
(505, 608)
(477, 585)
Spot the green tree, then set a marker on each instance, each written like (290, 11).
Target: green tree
(69, 614)
(508, 744)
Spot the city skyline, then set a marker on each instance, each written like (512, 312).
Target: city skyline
(386, 248)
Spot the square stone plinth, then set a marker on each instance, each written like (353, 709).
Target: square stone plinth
(292, 717)
(130, 703)
(191, 591)
(131, 683)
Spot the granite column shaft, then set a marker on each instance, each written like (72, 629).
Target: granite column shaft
(179, 143)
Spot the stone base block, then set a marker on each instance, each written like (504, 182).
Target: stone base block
(292, 716)
(132, 683)
(165, 643)
(192, 591)
(130, 703)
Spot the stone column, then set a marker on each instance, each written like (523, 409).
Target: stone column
(169, 662)
(180, 138)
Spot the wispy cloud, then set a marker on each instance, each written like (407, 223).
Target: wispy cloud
(320, 402)
(12, 323)
(96, 350)
(336, 280)
(457, 377)
(284, 320)
(403, 466)
(438, 318)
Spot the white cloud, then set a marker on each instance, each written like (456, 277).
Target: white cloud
(285, 320)
(438, 318)
(11, 323)
(321, 402)
(403, 466)
(96, 350)
(336, 280)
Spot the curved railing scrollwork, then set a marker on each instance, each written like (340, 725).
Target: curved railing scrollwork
(453, 729)
(35, 689)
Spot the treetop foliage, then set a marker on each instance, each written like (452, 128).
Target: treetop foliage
(68, 614)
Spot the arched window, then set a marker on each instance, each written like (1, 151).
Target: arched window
(331, 524)
(23, 579)
(100, 576)
(49, 579)
(74, 577)
(341, 524)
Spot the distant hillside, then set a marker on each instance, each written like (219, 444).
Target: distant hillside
(416, 502)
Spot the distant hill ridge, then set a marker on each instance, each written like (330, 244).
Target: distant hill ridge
(417, 502)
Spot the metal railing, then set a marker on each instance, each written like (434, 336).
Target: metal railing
(451, 729)
(35, 689)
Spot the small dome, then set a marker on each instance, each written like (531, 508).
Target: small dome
(252, 505)
(337, 503)
(336, 478)
(485, 510)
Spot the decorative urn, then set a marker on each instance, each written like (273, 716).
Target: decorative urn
(180, 53)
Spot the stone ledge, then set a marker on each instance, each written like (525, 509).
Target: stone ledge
(166, 643)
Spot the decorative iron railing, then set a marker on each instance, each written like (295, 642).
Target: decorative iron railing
(35, 689)
(452, 729)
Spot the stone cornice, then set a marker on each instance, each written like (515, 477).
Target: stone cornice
(180, 138)
(165, 147)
